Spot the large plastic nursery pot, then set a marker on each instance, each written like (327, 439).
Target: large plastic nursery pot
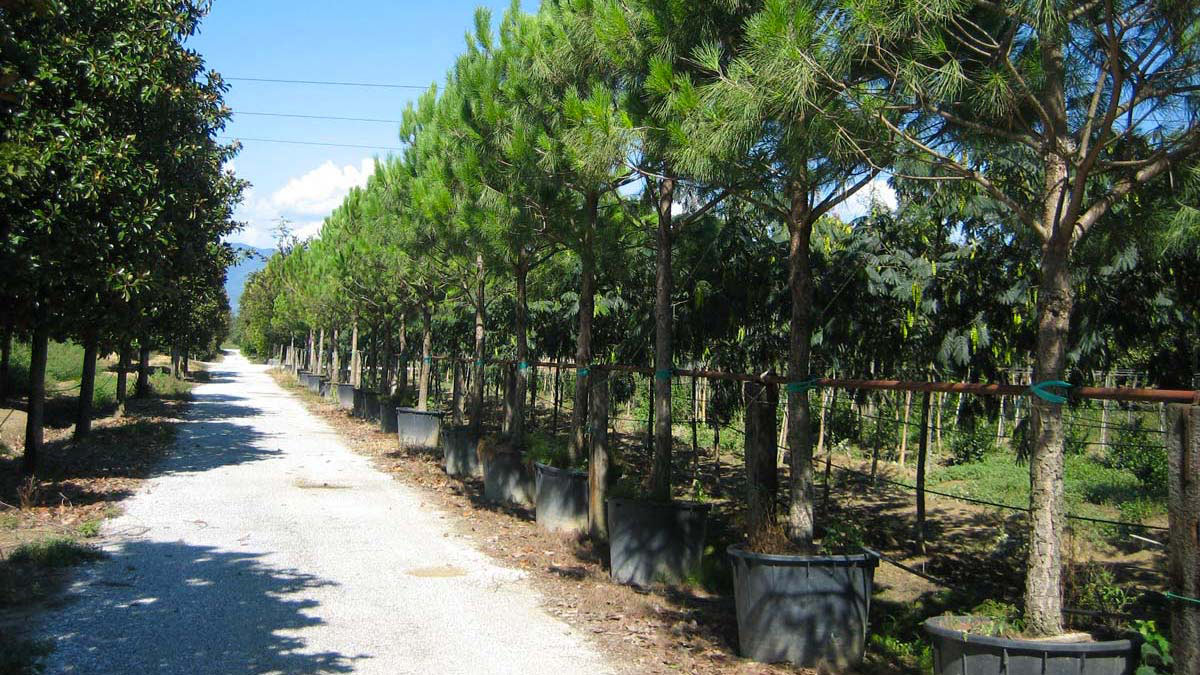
(507, 480)
(345, 396)
(359, 408)
(810, 611)
(562, 499)
(460, 449)
(958, 651)
(323, 386)
(655, 542)
(418, 428)
(387, 418)
(370, 406)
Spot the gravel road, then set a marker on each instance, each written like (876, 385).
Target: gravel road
(266, 546)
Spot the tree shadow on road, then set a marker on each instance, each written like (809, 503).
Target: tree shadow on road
(174, 608)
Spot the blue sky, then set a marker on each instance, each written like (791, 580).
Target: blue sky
(366, 41)
(372, 41)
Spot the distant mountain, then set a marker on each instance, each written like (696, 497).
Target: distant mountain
(252, 260)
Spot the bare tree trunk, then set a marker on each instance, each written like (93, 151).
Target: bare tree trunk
(557, 394)
(660, 470)
(583, 348)
(516, 427)
(335, 363)
(321, 354)
(142, 389)
(477, 382)
(716, 447)
(1043, 579)
(825, 396)
(458, 406)
(598, 463)
(355, 366)
(762, 470)
(695, 431)
(904, 426)
(1183, 566)
(426, 357)
(800, 509)
(36, 409)
(122, 378)
(87, 389)
(922, 452)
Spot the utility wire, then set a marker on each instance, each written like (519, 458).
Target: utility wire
(333, 145)
(318, 117)
(330, 83)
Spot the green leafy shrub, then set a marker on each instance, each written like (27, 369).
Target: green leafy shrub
(1006, 619)
(1156, 650)
(970, 445)
(1136, 451)
(546, 449)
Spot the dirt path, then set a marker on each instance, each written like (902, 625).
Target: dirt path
(266, 546)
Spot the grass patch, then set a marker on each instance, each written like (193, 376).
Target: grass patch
(167, 387)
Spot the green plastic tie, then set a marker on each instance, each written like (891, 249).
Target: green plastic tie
(582, 372)
(1040, 391)
(664, 374)
(523, 367)
(1183, 598)
(428, 359)
(480, 363)
(805, 385)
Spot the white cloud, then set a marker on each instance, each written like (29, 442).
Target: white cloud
(304, 201)
(876, 194)
(321, 190)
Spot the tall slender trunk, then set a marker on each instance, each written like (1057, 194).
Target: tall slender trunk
(583, 346)
(800, 509)
(310, 361)
(335, 363)
(660, 471)
(426, 356)
(904, 427)
(142, 389)
(122, 378)
(762, 471)
(87, 389)
(35, 412)
(457, 404)
(477, 382)
(355, 369)
(516, 426)
(1043, 576)
(321, 354)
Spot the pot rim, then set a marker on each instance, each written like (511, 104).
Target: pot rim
(555, 471)
(677, 504)
(782, 559)
(933, 627)
(414, 411)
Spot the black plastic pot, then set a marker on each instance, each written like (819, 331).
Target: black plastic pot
(359, 408)
(810, 611)
(507, 480)
(303, 377)
(387, 418)
(323, 386)
(370, 406)
(345, 396)
(562, 499)
(959, 652)
(418, 428)
(655, 542)
(460, 448)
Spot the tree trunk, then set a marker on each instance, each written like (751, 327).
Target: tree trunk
(87, 389)
(35, 411)
(335, 363)
(800, 509)
(762, 471)
(716, 458)
(599, 460)
(922, 453)
(122, 379)
(321, 353)
(426, 357)
(142, 389)
(355, 372)
(457, 407)
(310, 361)
(583, 347)
(660, 470)
(904, 427)
(477, 383)
(1183, 566)
(1043, 580)
(516, 427)
(557, 394)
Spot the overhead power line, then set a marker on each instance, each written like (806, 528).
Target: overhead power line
(330, 83)
(333, 145)
(318, 117)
